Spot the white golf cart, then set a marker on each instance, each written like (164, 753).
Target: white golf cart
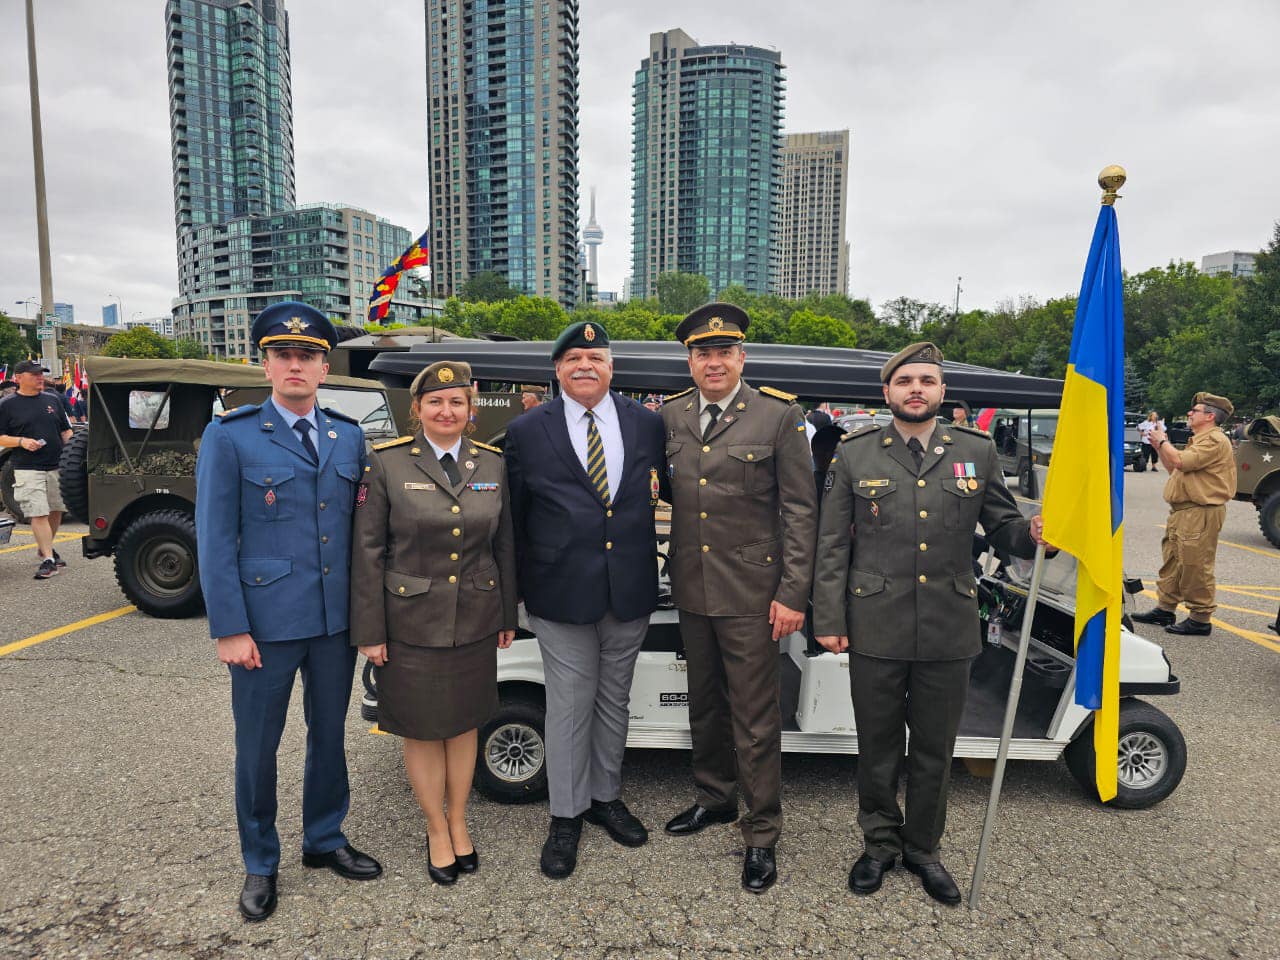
(816, 709)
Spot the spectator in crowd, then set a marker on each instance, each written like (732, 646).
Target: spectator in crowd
(1149, 453)
(532, 395)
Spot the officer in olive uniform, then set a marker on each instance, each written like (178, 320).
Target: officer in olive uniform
(894, 585)
(743, 523)
(275, 487)
(1202, 478)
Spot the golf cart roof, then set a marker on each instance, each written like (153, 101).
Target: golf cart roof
(812, 373)
(208, 373)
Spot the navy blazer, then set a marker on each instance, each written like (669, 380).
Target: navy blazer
(578, 559)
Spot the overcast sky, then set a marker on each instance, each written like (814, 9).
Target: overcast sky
(977, 130)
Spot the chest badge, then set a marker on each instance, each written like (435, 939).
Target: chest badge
(270, 498)
(939, 451)
(470, 465)
(653, 486)
(333, 434)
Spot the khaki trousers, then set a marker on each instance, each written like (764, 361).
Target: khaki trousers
(1188, 549)
(735, 720)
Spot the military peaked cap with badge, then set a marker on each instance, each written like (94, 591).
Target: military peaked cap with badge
(584, 334)
(441, 375)
(714, 325)
(1222, 403)
(293, 324)
(922, 352)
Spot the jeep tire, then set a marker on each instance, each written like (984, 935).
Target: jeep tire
(1269, 517)
(156, 565)
(73, 474)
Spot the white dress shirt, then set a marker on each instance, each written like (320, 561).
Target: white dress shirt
(606, 414)
(441, 451)
(723, 403)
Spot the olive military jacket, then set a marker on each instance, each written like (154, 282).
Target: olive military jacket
(895, 569)
(432, 565)
(743, 505)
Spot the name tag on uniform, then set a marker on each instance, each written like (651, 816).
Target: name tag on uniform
(419, 486)
(873, 483)
(482, 487)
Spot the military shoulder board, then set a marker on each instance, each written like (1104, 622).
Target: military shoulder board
(486, 446)
(677, 396)
(392, 443)
(865, 431)
(778, 394)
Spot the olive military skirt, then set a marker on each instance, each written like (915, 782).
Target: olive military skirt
(433, 693)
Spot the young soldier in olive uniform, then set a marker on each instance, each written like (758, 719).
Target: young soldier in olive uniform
(743, 522)
(894, 585)
(1202, 478)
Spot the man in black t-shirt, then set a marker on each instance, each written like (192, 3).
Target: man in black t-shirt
(34, 423)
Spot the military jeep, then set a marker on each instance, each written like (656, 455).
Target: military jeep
(1258, 473)
(130, 474)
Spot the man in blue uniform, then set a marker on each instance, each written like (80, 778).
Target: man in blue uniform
(275, 488)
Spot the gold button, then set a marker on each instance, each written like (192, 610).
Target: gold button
(608, 513)
(922, 578)
(872, 491)
(324, 539)
(455, 509)
(453, 579)
(924, 514)
(608, 544)
(702, 482)
(768, 559)
(400, 589)
(453, 556)
(858, 591)
(706, 449)
(703, 515)
(326, 571)
(257, 579)
(972, 591)
(267, 480)
(492, 583)
(920, 483)
(321, 504)
(705, 548)
(457, 532)
(924, 547)
(751, 456)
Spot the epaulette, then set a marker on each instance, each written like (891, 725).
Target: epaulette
(235, 413)
(393, 443)
(778, 394)
(968, 429)
(863, 431)
(338, 414)
(486, 446)
(677, 396)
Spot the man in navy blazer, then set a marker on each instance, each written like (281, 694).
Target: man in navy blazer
(275, 488)
(583, 472)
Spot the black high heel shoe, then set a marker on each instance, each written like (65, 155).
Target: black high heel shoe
(468, 862)
(442, 875)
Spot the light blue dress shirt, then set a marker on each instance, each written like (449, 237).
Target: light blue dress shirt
(290, 418)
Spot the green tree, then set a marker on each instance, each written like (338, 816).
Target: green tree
(807, 327)
(13, 345)
(682, 292)
(487, 287)
(1259, 347)
(189, 349)
(140, 343)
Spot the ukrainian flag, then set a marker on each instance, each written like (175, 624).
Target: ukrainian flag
(1084, 491)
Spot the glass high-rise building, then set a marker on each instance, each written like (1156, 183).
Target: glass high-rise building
(706, 163)
(502, 135)
(813, 252)
(230, 109)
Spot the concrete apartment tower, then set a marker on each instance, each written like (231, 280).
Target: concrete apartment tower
(502, 138)
(706, 163)
(813, 251)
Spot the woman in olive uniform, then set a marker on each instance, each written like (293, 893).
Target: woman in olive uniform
(433, 596)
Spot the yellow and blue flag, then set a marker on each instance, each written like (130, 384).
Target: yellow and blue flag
(1084, 491)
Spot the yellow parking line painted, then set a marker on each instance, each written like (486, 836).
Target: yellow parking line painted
(1249, 593)
(381, 733)
(63, 631)
(1224, 606)
(31, 546)
(1251, 586)
(1273, 554)
(1253, 636)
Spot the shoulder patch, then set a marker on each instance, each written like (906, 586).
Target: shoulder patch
(486, 446)
(339, 415)
(976, 431)
(778, 394)
(392, 443)
(236, 413)
(864, 431)
(677, 396)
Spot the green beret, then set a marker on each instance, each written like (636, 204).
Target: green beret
(1222, 403)
(714, 325)
(923, 352)
(586, 333)
(441, 375)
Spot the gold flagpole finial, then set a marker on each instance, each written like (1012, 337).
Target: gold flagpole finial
(1111, 179)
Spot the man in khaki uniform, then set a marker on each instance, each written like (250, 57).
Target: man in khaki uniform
(1202, 478)
(743, 522)
(894, 585)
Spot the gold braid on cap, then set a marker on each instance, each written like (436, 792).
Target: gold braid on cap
(295, 339)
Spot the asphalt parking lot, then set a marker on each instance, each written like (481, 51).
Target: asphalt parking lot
(119, 836)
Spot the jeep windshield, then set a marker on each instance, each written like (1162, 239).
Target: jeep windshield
(367, 407)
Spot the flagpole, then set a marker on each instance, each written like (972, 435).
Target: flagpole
(1010, 711)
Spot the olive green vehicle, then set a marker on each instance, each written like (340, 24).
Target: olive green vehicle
(130, 473)
(1258, 473)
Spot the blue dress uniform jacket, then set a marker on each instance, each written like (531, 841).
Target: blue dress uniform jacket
(577, 557)
(274, 538)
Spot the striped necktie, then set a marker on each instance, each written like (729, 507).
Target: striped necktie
(595, 459)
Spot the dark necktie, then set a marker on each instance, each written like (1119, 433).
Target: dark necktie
(304, 434)
(714, 411)
(917, 452)
(596, 469)
(451, 469)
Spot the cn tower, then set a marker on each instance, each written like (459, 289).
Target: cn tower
(593, 236)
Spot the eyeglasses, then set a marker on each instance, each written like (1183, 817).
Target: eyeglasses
(1198, 410)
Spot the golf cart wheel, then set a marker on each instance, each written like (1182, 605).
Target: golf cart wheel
(369, 702)
(1024, 478)
(511, 764)
(1269, 517)
(156, 565)
(7, 500)
(1151, 758)
(73, 477)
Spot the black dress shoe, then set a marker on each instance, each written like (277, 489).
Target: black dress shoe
(1190, 628)
(1161, 618)
(759, 870)
(868, 873)
(468, 862)
(345, 862)
(560, 852)
(936, 881)
(258, 898)
(698, 818)
(614, 816)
